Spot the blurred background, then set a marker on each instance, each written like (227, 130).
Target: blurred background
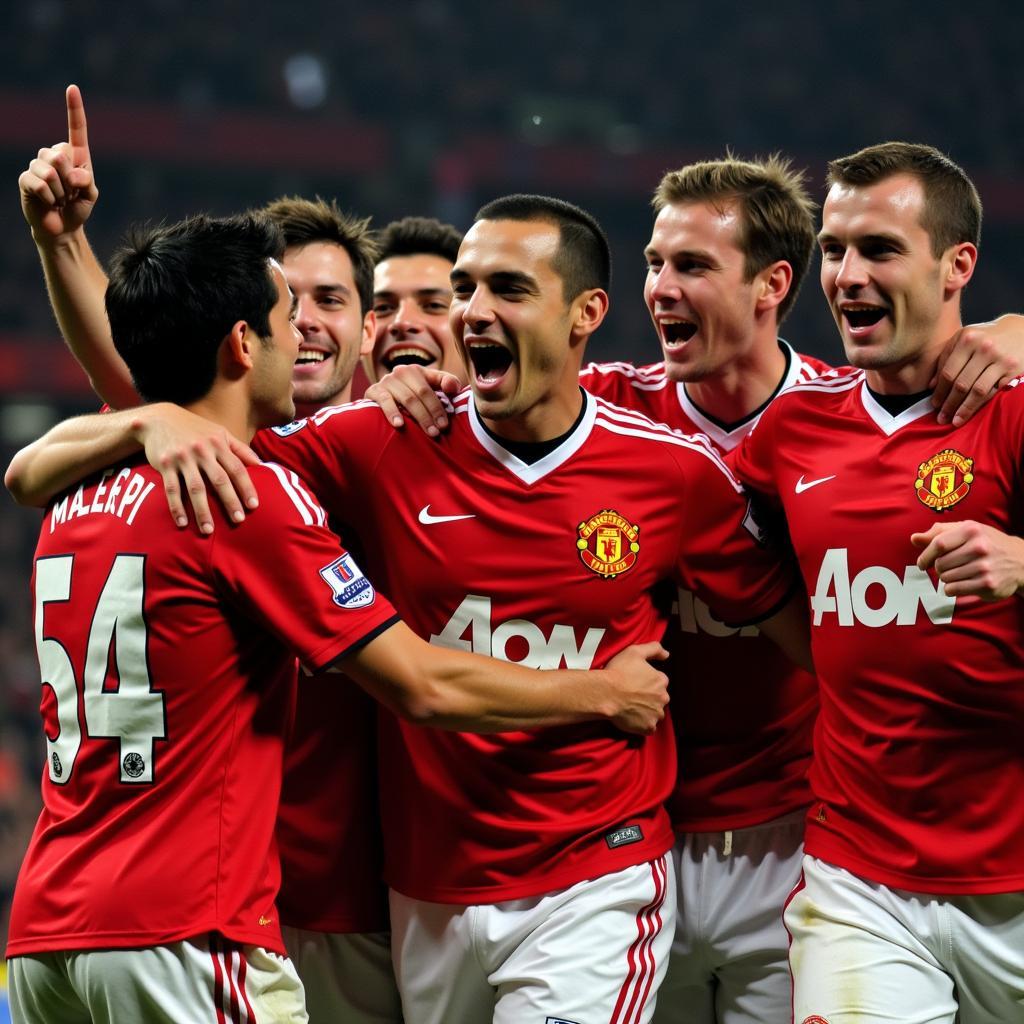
(433, 107)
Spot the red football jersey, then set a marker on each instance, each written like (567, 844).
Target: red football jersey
(743, 738)
(552, 565)
(918, 763)
(328, 825)
(168, 666)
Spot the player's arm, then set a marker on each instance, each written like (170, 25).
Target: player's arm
(972, 559)
(186, 449)
(414, 390)
(977, 361)
(467, 692)
(58, 194)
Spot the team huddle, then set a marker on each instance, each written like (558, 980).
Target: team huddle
(352, 721)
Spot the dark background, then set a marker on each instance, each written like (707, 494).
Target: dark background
(434, 107)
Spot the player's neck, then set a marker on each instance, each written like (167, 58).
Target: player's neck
(304, 409)
(744, 385)
(237, 418)
(914, 374)
(545, 420)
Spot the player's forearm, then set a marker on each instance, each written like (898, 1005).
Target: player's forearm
(77, 285)
(466, 692)
(70, 451)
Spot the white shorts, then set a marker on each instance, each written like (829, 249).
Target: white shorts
(864, 952)
(198, 980)
(348, 978)
(729, 961)
(594, 953)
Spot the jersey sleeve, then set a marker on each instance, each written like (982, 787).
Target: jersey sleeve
(726, 556)
(286, 570)
(753, 459)
(335, 451)
(618, 382)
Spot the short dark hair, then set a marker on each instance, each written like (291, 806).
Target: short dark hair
(584, 258)
(304, 221)
(777, 214)
(175, 291)
(416, 236)
(952, 206)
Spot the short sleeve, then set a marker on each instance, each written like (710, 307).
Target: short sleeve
(288, 571)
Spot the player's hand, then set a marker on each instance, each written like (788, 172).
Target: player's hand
(976, 362)
(414, 389)
(190, 452)
(640, 690)
(58, 191)
(972, 559)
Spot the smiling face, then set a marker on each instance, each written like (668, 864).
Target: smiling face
(696, 290)
(888, 292)
(511, 321)
(329, 317)
(412, 295)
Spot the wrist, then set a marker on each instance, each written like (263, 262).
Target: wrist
(66, 243)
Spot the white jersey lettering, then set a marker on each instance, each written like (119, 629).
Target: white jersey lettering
(836, 594)
(558, 650)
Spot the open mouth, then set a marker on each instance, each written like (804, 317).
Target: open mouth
(677, 332)
(406, 356)
(310, 358)
(860, 317)
(490, 362)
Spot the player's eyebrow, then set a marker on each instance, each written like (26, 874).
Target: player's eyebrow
(875, 238)
(388, 293)
(328, 286)
(696, 255)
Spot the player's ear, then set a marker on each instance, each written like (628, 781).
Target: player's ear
(962, 258)
(369, 334)
(773, 284)
(237, 347)
(589, 308)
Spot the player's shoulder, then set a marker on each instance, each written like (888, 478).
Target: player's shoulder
(648, 441)
(349, 416)
(651, 377)
(810, 368)
(831, 386)
(284, 496)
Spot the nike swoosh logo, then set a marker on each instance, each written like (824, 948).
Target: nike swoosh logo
(428, 520)
(801, 486)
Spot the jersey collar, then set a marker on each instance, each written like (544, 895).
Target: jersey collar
(884, 420)
(531, 473)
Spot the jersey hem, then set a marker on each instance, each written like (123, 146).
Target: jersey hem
(119, 940)
(926, 885)
(551, 882)
(732, 822)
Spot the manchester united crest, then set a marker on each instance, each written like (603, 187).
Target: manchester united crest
(944, 480)
(608, 544)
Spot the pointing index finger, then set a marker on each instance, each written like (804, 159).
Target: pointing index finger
(78, 134)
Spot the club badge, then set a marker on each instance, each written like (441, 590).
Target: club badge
(608, 544)
(944, 480)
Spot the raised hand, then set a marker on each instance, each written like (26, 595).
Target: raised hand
(58, 191)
